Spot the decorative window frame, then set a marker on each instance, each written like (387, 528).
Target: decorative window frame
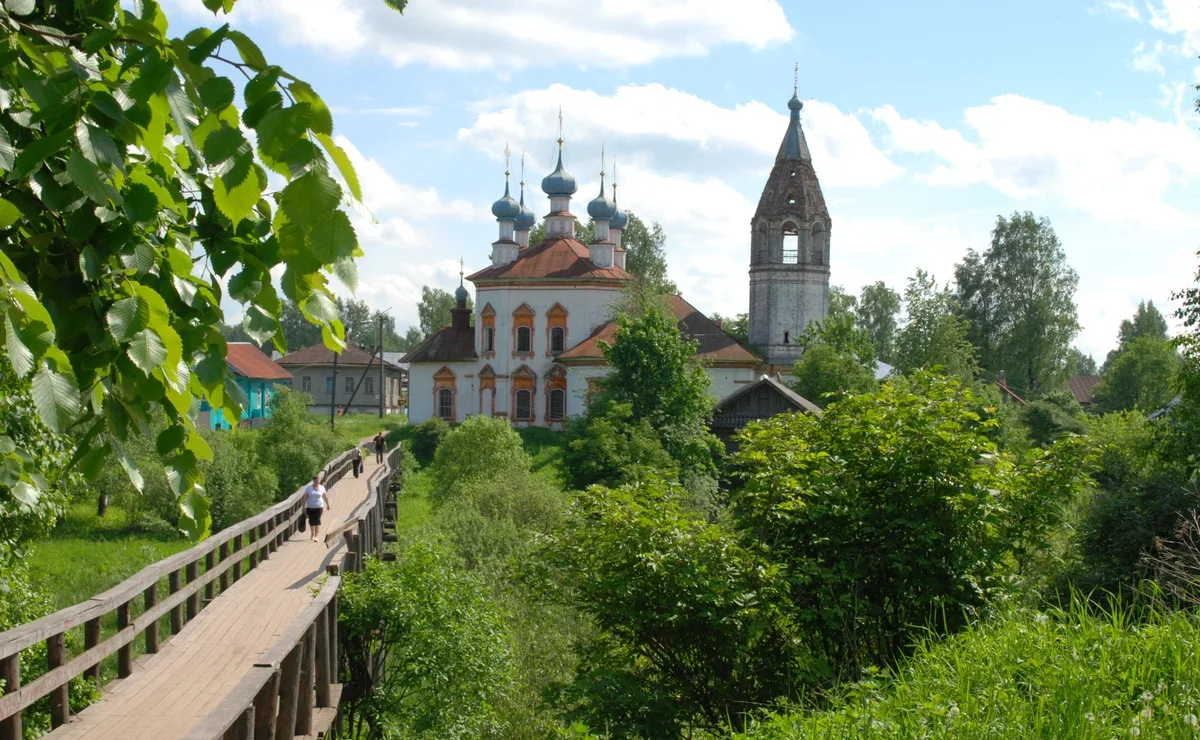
(556, 380)
(445, 379)
(522, 318)
(556, 318)
(487, 320)
(523, 379)
(487, 382)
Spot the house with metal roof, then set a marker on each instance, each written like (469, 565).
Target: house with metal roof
(353, 382)
(258, 376)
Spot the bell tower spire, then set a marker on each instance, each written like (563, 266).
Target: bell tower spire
(789, 248)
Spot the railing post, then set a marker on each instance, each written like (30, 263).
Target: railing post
(251, 538)
(56, 655)
(125, 652)
(289, 690)
(323, 680)
(243, 728)
(10, 673)
(237, 558)
(177, 610)
(266, 704)
(193, 601)
(151, 597)
(304, 704)
(224, 555)
(334, 646)
(210, 561)
(91, 638)
(264, 551)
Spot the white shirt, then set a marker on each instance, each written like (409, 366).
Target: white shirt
(316, 496)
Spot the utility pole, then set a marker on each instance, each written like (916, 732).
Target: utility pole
(333, 395)
(382, 387)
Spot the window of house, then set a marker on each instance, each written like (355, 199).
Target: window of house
(489, 339)
(524, 339)
(525, 405)
(349, 384)
(558, 404)
(306, 383)
(369, 386)
(558, 338)
(445, 408)
(329, 384)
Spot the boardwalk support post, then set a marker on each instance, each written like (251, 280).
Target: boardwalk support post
(91, 638)
(323, 673)
(151, 597)
(210, 588)
(177, 610)
(125, 652)
(237, 563)
(304, 703)
(193, 599)
(10, 673)
(56, 655)
(266, 704)
(289, 691)
(223, 555)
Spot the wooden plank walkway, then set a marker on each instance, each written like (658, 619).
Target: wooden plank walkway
(172, 690)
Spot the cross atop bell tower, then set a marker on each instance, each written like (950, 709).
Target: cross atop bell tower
(789, 248)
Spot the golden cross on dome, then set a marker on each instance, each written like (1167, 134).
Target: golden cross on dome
(560, 127)
(796, 80)
(602, 164)
(522, 169)
(460, 270)
(507, 155)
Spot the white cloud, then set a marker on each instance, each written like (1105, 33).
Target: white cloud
(1150, 59)
(1116, 170)
(668, 130)
(1178, 17)
(483, 34)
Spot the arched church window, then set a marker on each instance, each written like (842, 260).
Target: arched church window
(558, 403)
(524, 405)
(791, 244)
(524, 339)
(820, 244)
(786, 336)
(489, 339)
(557, 339)
(445, 408)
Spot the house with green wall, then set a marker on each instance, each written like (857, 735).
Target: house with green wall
(258, 376)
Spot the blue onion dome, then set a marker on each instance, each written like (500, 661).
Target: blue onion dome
(619, 220)
(506, 209)
(601, 208)
(558, 182)
(461, 294)
(794, 103)
(526, 219)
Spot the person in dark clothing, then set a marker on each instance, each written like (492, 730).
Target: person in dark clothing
(356, 460)
(380, 447)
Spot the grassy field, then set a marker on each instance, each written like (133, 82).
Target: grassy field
(361, 425)
(86, 554)
(1028, 674)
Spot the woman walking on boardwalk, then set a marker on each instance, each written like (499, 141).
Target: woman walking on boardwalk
(316, 501)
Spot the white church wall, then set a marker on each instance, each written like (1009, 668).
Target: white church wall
(420, 390)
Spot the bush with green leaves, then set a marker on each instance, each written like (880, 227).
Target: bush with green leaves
(291, 446)
(426, 648)
(693, 629)
(239, 484)
(425, 439)
(480, 447)
(1053, 416)
(609, 447)
(893, 511)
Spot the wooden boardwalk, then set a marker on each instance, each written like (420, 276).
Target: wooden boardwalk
(172, 690)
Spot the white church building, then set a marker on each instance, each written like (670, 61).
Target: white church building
(530, 351)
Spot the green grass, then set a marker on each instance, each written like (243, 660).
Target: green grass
(361, 425)
(413, 507)
(1026, 674)
(546, 448)
(86, 554)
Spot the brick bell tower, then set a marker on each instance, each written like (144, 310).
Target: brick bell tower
(789, 251)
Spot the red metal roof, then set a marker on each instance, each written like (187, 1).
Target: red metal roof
(249, 361)
(1083, 387)
(560, 258)
(716, 344)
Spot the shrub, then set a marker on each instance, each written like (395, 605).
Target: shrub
(237, 482)
(608, 447)
(426, 437)
(1053, 416)
(435, 644)
(692, 633)
(292, 446)
(481, 446)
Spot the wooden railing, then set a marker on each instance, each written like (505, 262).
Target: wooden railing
(293, 688)
(193, 578)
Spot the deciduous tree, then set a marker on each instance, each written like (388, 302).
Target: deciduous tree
(1019, 297)
(645, 253)
(878, 313)
(933, 334)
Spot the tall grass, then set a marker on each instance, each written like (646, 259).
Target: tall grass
(1024, 674)
(360, 426)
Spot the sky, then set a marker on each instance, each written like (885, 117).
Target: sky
(926, 121)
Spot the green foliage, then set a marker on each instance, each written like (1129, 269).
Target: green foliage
(1080, 364)
(1185, 418)
(655, 371)
(934, 336)
(426, 437)
(1147, 322)
(824, 371)
(1141, 376)
(1052, 416)
(1019, 297)
(237, 480)
(479, 447)
(1024, 674)
(291, 446)
(645, 254)
(877, 314)
(891, 512)
(738, 326)
(431, 639)
(609, 447)
(129, 191)
(691, 630)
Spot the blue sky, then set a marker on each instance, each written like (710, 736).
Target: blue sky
(926, 121)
